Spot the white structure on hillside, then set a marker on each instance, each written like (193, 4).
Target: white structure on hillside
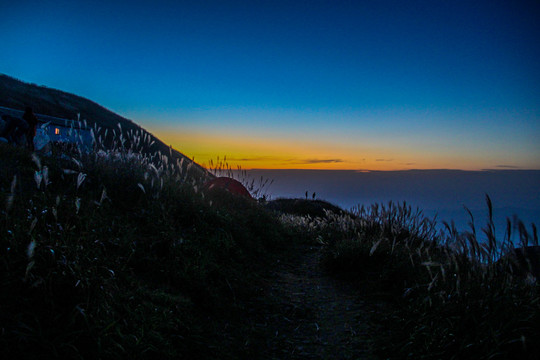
(58, 129)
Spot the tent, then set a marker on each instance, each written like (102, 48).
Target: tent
(231, 185)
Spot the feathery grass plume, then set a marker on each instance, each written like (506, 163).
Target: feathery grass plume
(80, 179)
(103, 196)
(30, 249)
(45, 172)
(77, 205)
(141, 186)
(11, 196)
(36, 160)
(38, 177)
(32, 225)
(524, 236)
(489, 230)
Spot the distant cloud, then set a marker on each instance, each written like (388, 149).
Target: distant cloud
(384, 159)
(285, 161)
(508, 167)
(254, 158)
(320, 161)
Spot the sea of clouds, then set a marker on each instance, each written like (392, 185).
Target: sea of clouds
(441, 193)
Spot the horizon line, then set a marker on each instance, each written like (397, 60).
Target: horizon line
(369, 170)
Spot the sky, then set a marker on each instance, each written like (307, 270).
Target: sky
(355, 85)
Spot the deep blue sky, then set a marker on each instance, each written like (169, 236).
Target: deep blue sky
(300, 84)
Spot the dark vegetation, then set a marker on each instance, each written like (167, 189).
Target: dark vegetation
(453, 295)
(111, 254)
(121, 253)
(303, 207)
(105, 257)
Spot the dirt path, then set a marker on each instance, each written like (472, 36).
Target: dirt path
(310, 315)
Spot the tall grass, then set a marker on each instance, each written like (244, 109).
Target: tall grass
(118, 253)
(258, 188)
(454, 294)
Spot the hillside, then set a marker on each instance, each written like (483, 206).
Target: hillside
(17, 95)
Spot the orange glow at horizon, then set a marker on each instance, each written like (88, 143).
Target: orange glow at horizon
(251, 152)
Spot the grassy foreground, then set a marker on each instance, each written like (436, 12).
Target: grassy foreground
(451, 294)
(117, 255)
(113, 255)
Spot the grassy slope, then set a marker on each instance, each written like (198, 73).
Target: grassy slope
(451, 299)
(105, 269)
(106, 256)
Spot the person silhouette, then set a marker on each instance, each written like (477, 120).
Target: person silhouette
(32, 121)
(14, 129)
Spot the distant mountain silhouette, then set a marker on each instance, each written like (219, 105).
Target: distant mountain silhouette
(17, 95)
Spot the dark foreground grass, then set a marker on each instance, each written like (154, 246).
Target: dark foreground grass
(118, 255)
(452, 299)
(111, 256)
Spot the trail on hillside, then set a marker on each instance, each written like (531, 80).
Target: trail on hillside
(306, 314)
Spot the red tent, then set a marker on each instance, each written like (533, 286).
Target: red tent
(231, 185)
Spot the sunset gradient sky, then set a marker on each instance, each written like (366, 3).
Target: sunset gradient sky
(378, 85)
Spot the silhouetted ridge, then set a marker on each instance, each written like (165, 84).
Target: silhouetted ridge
(16, 94)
